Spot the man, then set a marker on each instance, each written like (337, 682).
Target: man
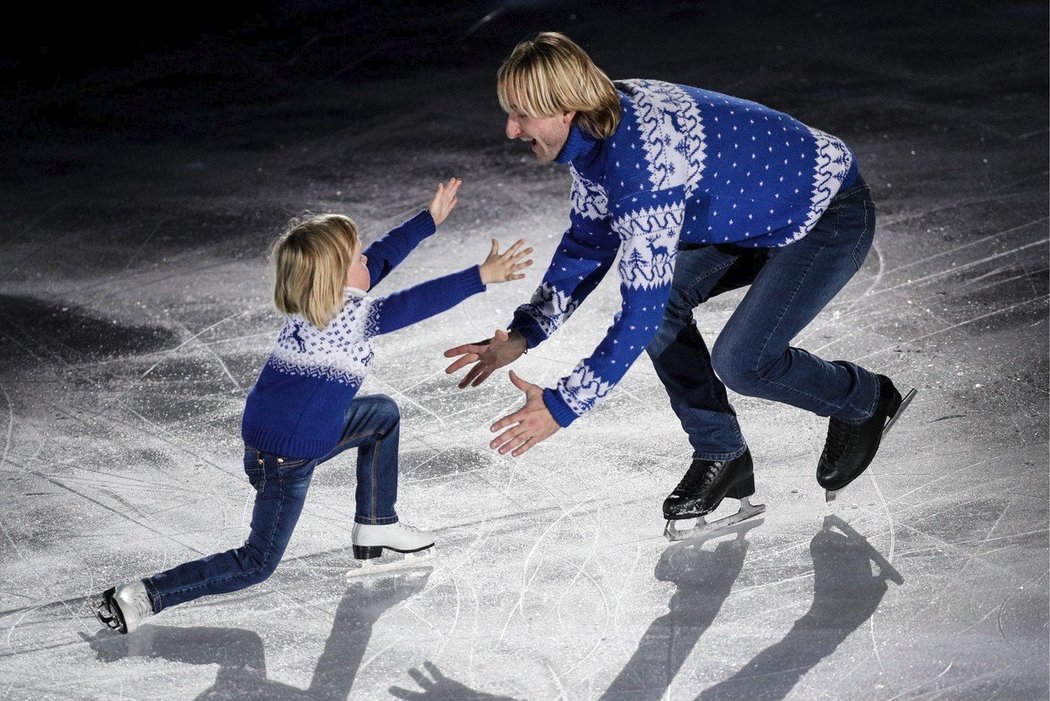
(700, 193)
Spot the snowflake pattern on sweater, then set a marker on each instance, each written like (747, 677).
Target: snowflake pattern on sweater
(297, 406)
(684, 165)
(341, 352)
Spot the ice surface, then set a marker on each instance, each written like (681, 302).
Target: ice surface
(138, 205)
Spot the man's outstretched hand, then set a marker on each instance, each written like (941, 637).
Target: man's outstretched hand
(528, 425)
(487, 356)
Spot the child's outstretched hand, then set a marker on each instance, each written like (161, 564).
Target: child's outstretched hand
(444, 200)
(504, 267)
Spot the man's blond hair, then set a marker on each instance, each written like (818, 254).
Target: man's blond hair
(551, 74)
(309, 262)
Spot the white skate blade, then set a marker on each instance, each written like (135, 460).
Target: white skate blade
(704, 530)
(404, 561)
(831, 494)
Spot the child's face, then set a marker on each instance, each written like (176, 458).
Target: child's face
(357, 274)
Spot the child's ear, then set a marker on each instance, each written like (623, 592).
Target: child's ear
(567, 117)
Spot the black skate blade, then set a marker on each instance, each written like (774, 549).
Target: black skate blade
(705, 531)
(900, 410)
(378, 566)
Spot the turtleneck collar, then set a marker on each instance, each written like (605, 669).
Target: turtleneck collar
(579, 143)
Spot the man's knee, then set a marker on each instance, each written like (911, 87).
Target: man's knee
(741, 367)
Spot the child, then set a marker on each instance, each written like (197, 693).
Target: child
(303, 410)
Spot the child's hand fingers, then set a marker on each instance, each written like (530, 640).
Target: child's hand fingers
(513, 249)
(494, 251)
(520, 254)
(524, 264)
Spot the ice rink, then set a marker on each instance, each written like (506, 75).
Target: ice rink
(140, 197)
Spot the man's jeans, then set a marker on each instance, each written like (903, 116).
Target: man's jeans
(372, 425)
(789, 287)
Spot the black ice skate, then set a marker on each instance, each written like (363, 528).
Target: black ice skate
(850, 448)
(705, 485)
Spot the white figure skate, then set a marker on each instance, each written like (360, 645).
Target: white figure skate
(416, 548)
(123, 608)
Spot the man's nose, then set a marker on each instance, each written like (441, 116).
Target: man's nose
(513, 127)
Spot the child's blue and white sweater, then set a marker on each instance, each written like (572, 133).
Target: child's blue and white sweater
(684, 165)
(297, 406)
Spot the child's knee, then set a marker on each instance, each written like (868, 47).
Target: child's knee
(387, 407)
(260, 567)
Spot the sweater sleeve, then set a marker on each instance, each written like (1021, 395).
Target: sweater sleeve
(582, 259)
(386, 253)
(424, 300)
(649, 232)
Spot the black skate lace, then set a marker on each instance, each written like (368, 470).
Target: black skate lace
(699, 474)
(840, 440)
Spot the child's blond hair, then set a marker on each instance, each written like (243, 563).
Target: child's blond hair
(551, 74)
(309, 263)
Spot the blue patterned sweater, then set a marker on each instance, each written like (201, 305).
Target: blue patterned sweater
(684, 165)
(297, 406)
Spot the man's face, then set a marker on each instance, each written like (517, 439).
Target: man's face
(547, 135)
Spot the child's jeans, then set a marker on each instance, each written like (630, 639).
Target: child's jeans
(372, 425)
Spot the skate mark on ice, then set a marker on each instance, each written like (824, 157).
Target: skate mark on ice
(564, 694)
(600, 636)
(211, 351)
(10, 426)
(1040, 298)
(703, 580)
(964, 266)
(907, 692)
(991, 196)
(526, 580)
(880, 318)
(398, 393)
(956, 249)
(843, 600)
(120, 514)
(452, 571)
(166, 354)
(1001, 608)
(43, 582)
(176, 442)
